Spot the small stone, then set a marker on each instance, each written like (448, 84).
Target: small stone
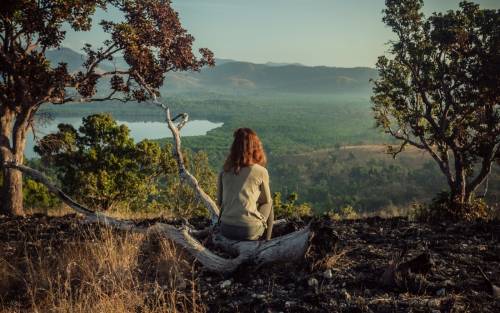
(328, 274)
(312, 282)
(441, 292)
(260, 296)
(289, 304)
(434, 303)
(345, 295)
(181, 284)
(359, 301)
(225, 284)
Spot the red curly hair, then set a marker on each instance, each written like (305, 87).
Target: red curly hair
(246, 150)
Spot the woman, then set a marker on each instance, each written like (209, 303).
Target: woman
(243, 190)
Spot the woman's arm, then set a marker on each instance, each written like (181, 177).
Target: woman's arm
(219, 190)
(265, 191)
(265, 205)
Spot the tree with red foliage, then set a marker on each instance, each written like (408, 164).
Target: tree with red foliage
(150, 38)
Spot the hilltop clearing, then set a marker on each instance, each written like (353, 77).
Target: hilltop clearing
(346, 278)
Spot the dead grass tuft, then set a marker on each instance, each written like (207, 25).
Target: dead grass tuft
(103, 271)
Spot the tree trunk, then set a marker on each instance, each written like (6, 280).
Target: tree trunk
(12, 184)
(12, 192)
(12, 187)
(459, 201)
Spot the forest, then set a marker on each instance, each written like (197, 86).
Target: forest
(325, 148)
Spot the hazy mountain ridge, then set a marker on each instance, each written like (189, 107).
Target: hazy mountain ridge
(236, 76)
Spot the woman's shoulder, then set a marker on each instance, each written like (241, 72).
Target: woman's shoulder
(259, 169)
(254, 169)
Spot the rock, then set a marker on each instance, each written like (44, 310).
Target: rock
(289, 304)
(328, 274)
(225, 284)
(345, 295)
(434, 303)
(181, 284)
(312, 282)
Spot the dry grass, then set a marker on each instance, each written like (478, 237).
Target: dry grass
(97, 271)
(63, 210)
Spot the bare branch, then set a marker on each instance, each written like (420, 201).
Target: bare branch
(104, 56)
(485, 169)
(442, 165)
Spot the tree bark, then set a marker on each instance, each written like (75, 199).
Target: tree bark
(12, 182)
(12, 193)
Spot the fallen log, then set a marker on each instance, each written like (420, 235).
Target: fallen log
(287, 248)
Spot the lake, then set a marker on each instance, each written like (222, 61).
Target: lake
(139, 130)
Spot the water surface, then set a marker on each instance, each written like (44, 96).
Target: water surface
(139, 130)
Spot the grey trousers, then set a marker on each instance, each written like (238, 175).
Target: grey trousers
(251, 232)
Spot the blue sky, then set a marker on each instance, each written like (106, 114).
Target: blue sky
(343, 33)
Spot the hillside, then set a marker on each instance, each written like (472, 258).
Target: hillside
(367, 178)
(230, 76)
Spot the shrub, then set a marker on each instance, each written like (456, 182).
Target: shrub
(441, 209)
(289, 209)
(343, 213)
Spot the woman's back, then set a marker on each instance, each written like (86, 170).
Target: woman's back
(243, 190)
(241, 193)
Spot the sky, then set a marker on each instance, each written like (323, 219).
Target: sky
(342, 33)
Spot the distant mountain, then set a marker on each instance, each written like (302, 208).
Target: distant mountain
(66, 55)
(281, 64)
(230, 76)
(75, 60)
(223, 61)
